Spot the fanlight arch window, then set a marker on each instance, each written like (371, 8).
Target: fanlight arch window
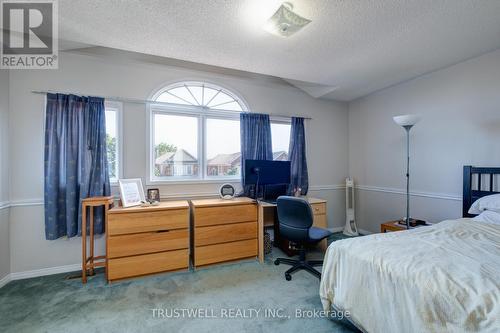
(194, 132)
(201, 94)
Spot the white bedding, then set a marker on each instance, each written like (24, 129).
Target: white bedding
(443, 278)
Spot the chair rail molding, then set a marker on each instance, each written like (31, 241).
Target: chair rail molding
(181, 195)
(334, 187)
(431, 195)
(4, 204)
(312, 188)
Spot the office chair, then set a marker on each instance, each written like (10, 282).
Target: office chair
(295, 218)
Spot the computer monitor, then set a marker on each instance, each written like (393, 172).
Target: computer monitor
(263, 172)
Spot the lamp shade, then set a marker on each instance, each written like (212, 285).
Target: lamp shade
(407, 119)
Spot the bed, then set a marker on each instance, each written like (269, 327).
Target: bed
(442, 278)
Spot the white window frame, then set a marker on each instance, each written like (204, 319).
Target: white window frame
(202, 113)
(118, 108)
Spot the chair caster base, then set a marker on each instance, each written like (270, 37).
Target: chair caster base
(299, 265)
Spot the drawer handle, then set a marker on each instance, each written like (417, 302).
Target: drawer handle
(161, 231)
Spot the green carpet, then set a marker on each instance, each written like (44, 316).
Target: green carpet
(225, 292)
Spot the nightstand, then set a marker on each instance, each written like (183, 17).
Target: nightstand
(395, 226)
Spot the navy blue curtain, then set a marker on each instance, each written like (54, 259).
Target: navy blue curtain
(300, 177)
(256, 142)
(76, 165)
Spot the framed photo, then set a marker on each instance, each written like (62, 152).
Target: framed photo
(154, 194)
(131, 192)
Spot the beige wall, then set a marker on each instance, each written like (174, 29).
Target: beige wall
(4, 175)
(460, 106)
(327, 139)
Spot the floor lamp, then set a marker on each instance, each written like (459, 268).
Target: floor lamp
(407, 122)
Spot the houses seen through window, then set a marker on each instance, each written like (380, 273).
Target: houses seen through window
(176, 146)
(223, 147)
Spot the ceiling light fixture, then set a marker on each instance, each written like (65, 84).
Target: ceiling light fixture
(285, 22)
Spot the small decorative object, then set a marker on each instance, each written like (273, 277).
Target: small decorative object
(153, 195)
(297, 192)
(131, 192)
(268, 246)
(227, 191)
(407, 122)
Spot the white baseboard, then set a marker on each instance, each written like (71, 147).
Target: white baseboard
(339, 229)
(6, 279)
(45, 271)
(365, 232)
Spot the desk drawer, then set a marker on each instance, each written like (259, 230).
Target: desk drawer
(225, 233)
(319, 208)
(148, 242)
(210, 254)
(147, 264)
(129, 223)
(206, 216)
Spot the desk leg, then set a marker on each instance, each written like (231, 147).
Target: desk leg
(261, 233)
(84, 244)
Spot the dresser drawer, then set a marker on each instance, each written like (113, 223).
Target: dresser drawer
(225, 233)
(209, 254)
(319, 208)
(147, 264)
(148, 242)
(129, 223)
(206, 216)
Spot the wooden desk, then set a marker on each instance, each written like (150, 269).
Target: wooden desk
(268, 218)
(224, 230)
(147, 240)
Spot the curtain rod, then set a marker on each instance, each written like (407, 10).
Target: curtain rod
(143, 101)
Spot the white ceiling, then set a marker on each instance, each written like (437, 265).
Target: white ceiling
(350, 49)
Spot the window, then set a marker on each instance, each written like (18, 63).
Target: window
(195, 133)
(280, 133)
(223, 155)
(176, 146)
(113, 139)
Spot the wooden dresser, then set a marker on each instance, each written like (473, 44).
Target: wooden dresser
(147, 240)
(224, 230)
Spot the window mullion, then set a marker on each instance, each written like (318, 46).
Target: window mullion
(203, 145)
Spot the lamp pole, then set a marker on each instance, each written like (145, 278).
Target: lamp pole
(407, 122)
(408, 128)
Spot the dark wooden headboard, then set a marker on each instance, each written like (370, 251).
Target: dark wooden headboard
(478, 183)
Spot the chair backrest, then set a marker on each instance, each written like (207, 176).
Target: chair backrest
(295, 217)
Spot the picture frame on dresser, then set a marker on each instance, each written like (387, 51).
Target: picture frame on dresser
(131, 192)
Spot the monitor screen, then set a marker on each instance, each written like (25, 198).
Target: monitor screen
(267, 172)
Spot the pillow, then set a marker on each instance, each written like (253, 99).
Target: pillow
(490, 202)
(488, 216)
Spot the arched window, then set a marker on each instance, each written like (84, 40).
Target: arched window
(195, 133)
(201, 94)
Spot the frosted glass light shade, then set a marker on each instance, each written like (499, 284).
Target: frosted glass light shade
(285, 22)
(407, 119)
